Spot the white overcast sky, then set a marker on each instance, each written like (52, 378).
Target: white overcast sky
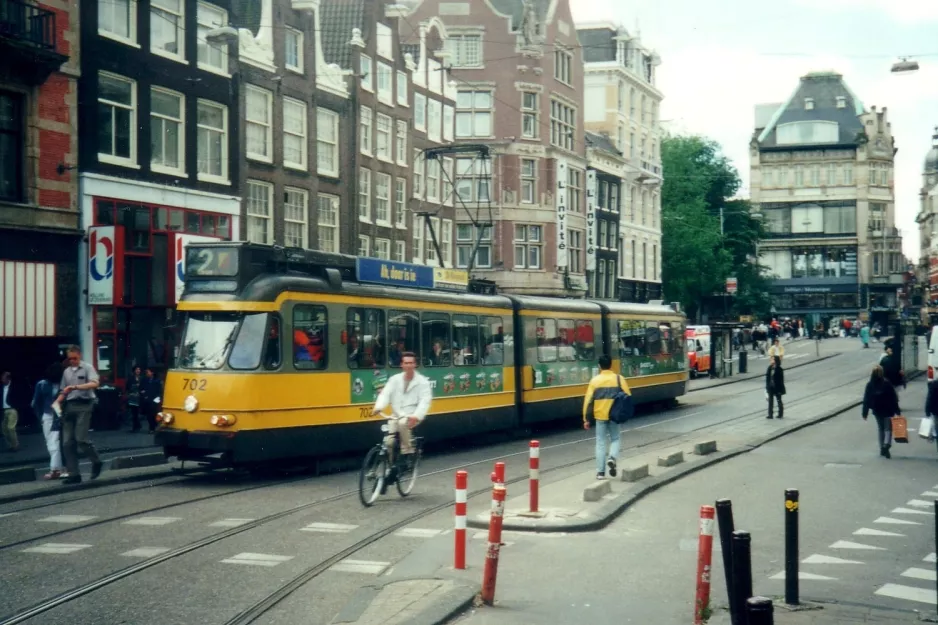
(721, 57)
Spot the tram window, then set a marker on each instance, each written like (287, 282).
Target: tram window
(493, 339)
(653, 337)
(436, 338)
(667, 339)
(585, 340)
(248, 347)
(566, 340)
(366, 338)
(631, 339)
(272, 354)
(465, 340)
(403, 334)
(547, 340)
(310, 337)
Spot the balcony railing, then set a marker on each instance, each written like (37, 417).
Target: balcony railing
(27, 23)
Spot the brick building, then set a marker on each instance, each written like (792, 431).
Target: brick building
(39, 221)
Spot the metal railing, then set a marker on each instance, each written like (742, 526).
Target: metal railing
(28, 23)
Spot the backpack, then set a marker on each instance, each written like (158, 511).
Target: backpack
(622, 407)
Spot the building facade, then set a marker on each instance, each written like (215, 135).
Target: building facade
(622, 101)
(606, 171)
(39, 220)
(159, 167)
(517, 68)
(928, 227)
(822, 177)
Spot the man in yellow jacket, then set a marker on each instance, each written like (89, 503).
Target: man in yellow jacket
(596, 405)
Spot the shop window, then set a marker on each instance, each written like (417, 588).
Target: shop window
(546, 333)
(436, 337)
(160, 218)
(103, 318)
(208, 225)
(310, 342)
(104, 215)
(104, 361)
(223, 227)
(465, 340)
(585, 340)
(159, 287)
(566, 331)
(193, 223)
(175, 219)
(365, 338)
(249, 346)
(404, 335)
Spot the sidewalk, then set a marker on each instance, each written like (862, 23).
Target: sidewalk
(33, 446)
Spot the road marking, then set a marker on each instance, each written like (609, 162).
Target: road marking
(920, 503)
(366, 567)
(911, 511)
(926, 574)
(8, 514)
(257, 559)
(67, 518)
(891, 521)
(866, 531)
(152, 520)
(145, 552)
(929, 558)
(819, 559)
(846, 544)
(929, 493)
(230, 522)
(909, 593)
(803, 575)
(329, 528)
(417, 532)
(56, 548)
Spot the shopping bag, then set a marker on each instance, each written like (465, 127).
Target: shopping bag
(926, 428)
(900, 429)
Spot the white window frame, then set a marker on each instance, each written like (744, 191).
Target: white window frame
(848, 174)
(297, 36)
(420, 112)
(575, 240)
(204, 26)
(383, 248)
(327, 118)
(446, 241)
(400, 203)
(434, 119)
(468, 243)
(267, 218)
(385, 73)
(266, 126)
(434, 166)
(449, 122)
(473, 111)
(563, 66)
(366, 131)
(364, 195)
(302, 220)
(384, 127)
(471, 171)
(223, 157)
(402, 89)
(432, 259)
(303, 165)
(105, 157)
(131, 38)
(418, 253)
(382, 199)
(576, 179)
(156, 13)
(528, 181)
(465, 49)
(400, 145)
(181, 135)
(446, 181)
(562, 129)
(420, 170)
(524, 244)
(323, 226)
(364, 246)
(366, 71)
(400, 251)
(531, 114)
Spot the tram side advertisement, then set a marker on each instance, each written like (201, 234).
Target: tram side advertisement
(445, 382)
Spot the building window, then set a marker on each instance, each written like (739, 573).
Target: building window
(420, 111)
(563, 125)
(213, 56)
(385, 84)
(446, 241)
(259, 127)
(603, 230)
(446, 182)
(529, 117)
(294, 134)
(465, 50)
(644, 261)
(433, 180)
(383, 137)
(613, 198)
(799, 175)
(327, 142)
(382, 199)
(563, 66)
(293, 50)
(418, 229)
(295, 217)
(167, 131)
(365, 132)
(448, 115)
(259, 200)
(632, 145)
(877, 216)
(574, 190)
(620, 99)
(528, 242)
(117, 124)
(848, 174)
(400, 249)
(402, 88)
(364, 71)
(575, 249)
(212, 141)
(400, 202)
(118, 18)
(654, 262)
(815, 175)
(12, 146)
(419, 167)
(841, 102)
(474, 114)
(466, 237)
(831, 174)
(364, 246)
(473, 180)
(528, 180)
(598, 287)
(401, 145)
(634, 264)
(809, 104)
(383, 249)
(327, 222)
(167, 25)
(364, 194)
(434, 120)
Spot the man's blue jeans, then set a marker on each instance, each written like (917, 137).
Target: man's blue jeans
(606, 430)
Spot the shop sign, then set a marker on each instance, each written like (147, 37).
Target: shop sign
(451, 279)
(102, 264)
(561, 199)
(591, 220)
(178, 270)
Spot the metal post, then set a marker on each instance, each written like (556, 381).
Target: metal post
(490, 573)
(791, 546)
(742, 573)
(760, 611)
(725, 524)
(704, 557)
(498, 476)
(534, 466)
(462, 484)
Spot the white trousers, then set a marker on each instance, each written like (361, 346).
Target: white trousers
(52, 443)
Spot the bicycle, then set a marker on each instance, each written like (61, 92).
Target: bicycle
(372, 479)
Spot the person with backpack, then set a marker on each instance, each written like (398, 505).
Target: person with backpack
(775, 385)
(892, 369)
(608, 403)
(880, 398)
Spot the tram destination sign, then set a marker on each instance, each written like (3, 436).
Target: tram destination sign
(390, 273)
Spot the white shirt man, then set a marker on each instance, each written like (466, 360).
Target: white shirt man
(409, 395)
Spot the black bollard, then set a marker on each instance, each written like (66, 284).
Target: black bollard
(742, 573)
(760, 611)
(725, 520)
(791, 546)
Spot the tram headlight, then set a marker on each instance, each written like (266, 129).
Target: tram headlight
(223, 420)
(191, 404)
(164, 417)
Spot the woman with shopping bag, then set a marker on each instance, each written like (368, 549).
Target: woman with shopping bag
(880, 398)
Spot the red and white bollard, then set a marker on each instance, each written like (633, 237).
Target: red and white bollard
(704, 554)
(495, 536)
(534, 465)
(498, 476)
(462, 482)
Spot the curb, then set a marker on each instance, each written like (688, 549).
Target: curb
(17, 475)
(30, 473)
(136, 462)
(441, 610)
(753, 377)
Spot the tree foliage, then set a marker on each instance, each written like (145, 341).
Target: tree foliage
(696, 258)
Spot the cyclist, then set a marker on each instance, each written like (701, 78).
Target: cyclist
(409, 394)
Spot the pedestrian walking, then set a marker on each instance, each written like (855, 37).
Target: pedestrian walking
(151, 394)
(775, 386)
(880, 398)
(865, 336)
(12, 393)
(43, 397)
(892, 369)
(598, 402)
(777, 349)
(78, 397)
(134, 384)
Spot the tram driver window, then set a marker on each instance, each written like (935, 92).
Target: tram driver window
(547, 340)
(403, 335)
(248, 347)
(585, 340)
(438, 352)
(566, 340)
(493, 341)
(272, 351)
(465, 340)
(310, 337)
(365, 337)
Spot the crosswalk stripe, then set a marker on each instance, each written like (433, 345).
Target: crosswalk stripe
(805, 576)
(911, 511)
(329, 528)
(257, 559)
(866, 531)
(145, 552)
(57, 548)
(846, 544)
(909, 593)
(929, 558)
(67, 518)
(230, 522)
(366, 567)
(152, 520)
(926, 574)
(417, 532)
(891, 521)
(821, 559)
(920, 503)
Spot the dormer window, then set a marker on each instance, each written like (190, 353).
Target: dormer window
(809, 104)
(841, 102)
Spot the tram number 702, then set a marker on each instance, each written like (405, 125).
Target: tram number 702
(365, 412)
(193, 384)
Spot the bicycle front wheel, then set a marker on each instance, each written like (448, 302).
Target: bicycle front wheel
(371, 477)
(407, 475)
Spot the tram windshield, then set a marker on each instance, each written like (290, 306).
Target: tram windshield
(207, 340)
